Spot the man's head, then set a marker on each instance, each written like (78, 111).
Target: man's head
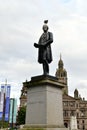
(45, 28)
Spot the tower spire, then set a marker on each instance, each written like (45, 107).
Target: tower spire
(60, 63)
(60, 56)
(61, 74)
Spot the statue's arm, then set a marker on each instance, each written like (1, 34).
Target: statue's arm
(36, 45)
(50, 40)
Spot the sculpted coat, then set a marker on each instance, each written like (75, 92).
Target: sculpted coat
(44, 52)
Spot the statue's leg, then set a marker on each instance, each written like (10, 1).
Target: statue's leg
(45, 63)
(45, 67)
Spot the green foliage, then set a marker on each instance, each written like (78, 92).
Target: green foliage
(21, 115)
(4, 124)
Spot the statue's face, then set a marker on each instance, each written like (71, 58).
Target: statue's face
(45, 28)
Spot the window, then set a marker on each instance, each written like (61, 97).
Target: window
(77, 105)
(72, 113)
(83, 121)
(65, 113)
(77, 114)
(65, 103)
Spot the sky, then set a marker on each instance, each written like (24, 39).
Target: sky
(21, 24)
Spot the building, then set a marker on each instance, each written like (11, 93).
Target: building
(23, 97)
(61, 74)
(75, 106)
(72, 106)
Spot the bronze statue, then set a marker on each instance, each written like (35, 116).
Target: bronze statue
(44, 48)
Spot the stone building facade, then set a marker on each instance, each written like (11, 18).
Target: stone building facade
(61, 74)
(75, 107)
(23, 97)
(72, 106)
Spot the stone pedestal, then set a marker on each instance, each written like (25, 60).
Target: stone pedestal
(44, 103)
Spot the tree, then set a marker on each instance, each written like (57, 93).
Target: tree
(4, 124)
(21, 115)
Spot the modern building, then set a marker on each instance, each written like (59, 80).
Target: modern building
(72, 106)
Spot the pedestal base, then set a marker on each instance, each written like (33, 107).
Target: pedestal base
(44, 103)
(42, 127)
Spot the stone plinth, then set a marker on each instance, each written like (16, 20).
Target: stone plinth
(44, 103)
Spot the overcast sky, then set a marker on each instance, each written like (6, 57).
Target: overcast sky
(21, 24)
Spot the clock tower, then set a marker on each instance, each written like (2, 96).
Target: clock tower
(61, 74)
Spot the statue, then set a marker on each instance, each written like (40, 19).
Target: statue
(44, 48)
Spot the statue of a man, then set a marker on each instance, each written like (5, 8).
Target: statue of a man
(44, 48)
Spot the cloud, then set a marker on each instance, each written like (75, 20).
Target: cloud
(21, 25)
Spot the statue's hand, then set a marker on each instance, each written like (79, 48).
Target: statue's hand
(36, 45)
(39, 46)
